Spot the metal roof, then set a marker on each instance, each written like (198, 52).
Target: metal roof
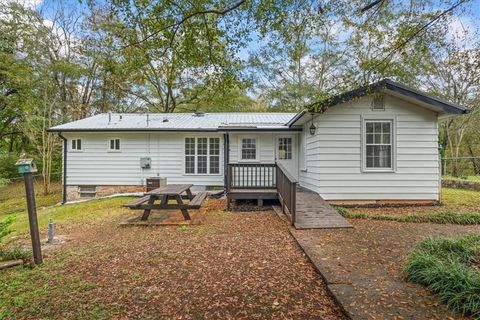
(234, 121)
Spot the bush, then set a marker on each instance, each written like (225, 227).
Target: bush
(5, 226)
(447, 267)
(4, 181)
(8, 169)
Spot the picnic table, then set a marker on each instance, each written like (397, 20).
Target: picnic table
(164, 194)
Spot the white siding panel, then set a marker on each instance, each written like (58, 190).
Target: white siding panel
(95, 165)
(333, 155)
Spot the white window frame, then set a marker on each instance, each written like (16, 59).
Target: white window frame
(208, 157)
(277, 146)
(110, 144)
(393, 139)
(76, 141)
(240, 144)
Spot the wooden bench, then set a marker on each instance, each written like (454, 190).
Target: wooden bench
(136, 203)
(197, 201)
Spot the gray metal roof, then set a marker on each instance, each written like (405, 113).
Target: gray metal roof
(179, 122)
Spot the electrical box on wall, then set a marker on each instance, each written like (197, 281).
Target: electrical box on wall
(145, 162)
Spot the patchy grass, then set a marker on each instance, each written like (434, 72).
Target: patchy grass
(12, 197)
(449, 268)
(14, 254)
(70, 214)
(42, 294)
(218, 269)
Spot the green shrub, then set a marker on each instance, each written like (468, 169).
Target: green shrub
(447, 268)
(7, 165)
(4, 181)
(5, 226)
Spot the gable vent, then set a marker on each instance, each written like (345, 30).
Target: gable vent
(378, 103)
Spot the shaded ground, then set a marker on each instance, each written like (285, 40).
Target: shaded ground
(363, 267)
(231, 266)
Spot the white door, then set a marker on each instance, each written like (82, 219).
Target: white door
(286, 152)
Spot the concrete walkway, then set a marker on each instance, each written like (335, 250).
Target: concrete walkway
(363, 267)
(312, 212)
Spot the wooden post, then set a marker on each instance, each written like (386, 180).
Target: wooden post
(32, 218)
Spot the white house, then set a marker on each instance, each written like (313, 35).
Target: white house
(374, 144)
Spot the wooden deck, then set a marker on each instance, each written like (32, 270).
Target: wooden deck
(303, 208)
(313, 212)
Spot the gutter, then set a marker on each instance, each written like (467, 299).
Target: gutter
(220, 129)
(64, 176)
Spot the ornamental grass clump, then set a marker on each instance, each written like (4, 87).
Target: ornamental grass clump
(450, 269)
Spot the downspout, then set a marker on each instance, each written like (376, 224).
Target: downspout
(226, 158)
(64, 183)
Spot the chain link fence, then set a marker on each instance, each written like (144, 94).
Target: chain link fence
(461, 167)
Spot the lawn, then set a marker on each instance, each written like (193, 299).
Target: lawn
(470, 178)
(12, 197)
(229, 266)
(458, 206)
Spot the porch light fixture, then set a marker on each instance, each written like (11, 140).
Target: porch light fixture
(312, 127)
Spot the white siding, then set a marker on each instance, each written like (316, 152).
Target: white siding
(96, 165)
(267, 148)
(334, 154)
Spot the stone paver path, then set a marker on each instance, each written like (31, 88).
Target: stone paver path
(312, 212)
(363, 267)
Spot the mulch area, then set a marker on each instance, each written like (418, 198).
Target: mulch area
(229, 266)
(363, 267)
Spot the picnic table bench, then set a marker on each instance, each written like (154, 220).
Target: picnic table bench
(164, 194)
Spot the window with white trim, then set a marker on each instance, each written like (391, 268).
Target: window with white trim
(114, 144)
(285, 148)
(202, 155)
(378, 144)
(249, 148)
(76, 144)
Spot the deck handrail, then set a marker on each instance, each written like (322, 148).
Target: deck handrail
(265, 176)
(251, 176)
(287, 191)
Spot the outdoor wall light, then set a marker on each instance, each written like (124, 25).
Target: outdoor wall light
(312, 127)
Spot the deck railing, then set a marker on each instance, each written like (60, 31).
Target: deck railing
(287, 191)
(265, 176)
(251, 176)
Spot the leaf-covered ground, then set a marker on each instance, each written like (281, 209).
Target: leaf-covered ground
(231, 266)
(364, 265)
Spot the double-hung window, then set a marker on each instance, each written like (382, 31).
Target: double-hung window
(202, 155)
(249, 149)
(378, 144)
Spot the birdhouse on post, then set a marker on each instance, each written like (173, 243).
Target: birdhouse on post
(27, 167)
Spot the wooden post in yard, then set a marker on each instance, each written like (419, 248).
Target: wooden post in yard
(27, 167)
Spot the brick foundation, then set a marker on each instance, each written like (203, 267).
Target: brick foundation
(101, 191)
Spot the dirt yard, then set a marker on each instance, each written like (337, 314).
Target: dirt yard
(364, 267)
(230, 266)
